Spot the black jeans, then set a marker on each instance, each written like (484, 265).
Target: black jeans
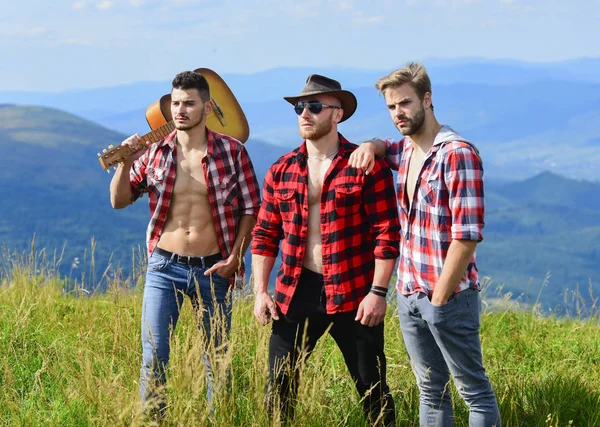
(361, 346)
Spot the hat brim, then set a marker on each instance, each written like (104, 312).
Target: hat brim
(347, 99)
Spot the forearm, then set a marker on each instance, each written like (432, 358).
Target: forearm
(244, 236)
(379, 147)
(383, 272)
(120, 187)
(459, 255)
(261, 268)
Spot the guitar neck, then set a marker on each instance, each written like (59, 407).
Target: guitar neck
(159, 133)
(121, 152)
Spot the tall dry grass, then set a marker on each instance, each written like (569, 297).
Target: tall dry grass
(71, 357)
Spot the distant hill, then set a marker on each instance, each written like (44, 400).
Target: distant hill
(526, 118)
(275, 83)
(54, 188)
(545, 225)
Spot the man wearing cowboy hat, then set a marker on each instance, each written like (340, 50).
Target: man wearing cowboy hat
(339, 234)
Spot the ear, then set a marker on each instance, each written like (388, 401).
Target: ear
(208, 107)
(427, 100)
(337, 117)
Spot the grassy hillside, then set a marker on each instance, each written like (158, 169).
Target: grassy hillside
(72, 359)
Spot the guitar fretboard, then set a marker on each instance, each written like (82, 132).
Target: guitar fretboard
(158, 134)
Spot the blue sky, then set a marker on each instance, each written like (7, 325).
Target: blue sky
(68, 44)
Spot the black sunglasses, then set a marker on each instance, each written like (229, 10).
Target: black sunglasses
(314, 107)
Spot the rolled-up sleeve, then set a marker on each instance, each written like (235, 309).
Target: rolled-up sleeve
(137, 177)
(382, 211)
(464, 180)
(267, 232)
(249, 189)
(393, 152)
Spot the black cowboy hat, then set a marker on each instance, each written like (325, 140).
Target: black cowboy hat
(317, 84)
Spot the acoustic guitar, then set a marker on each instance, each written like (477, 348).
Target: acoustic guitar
(227, 117)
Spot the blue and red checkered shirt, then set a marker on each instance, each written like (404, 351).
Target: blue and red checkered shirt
(447, 205)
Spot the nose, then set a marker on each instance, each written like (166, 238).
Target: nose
(305, 112)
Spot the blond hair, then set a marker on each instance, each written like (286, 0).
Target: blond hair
(413, 73)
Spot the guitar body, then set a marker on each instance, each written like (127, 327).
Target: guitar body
(159, 113)
(227, 117)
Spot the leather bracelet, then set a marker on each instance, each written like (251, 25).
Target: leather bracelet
(378, 293)
(380, 289)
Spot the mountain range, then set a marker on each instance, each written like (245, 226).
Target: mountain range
(524, 117)
(534, 124)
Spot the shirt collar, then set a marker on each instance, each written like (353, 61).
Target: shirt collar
(345, 150)
(171, 141)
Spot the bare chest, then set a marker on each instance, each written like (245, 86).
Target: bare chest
(190, 175)
(316, 175)
(414, 170)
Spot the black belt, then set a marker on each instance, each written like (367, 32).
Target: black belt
(202, 261)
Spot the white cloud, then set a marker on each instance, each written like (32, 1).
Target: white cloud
(187, 2)
(105, 5)
(370, 20)
(360, 17)
(345, 5)
(137, 3)
(519, 7)
(78, 5)
(75, 42)
(36, 31)
(302, 12)
(25, 33)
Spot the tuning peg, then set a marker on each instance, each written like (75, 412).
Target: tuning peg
(99, 155)
(105, 150)
(111, 146)
(108, 171)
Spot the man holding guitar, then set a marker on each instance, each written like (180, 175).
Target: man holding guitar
(204, 199)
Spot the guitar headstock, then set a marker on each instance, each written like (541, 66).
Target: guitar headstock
(113, 155)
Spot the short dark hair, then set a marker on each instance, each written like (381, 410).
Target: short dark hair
(192, 80)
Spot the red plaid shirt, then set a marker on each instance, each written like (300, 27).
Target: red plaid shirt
(359, 222)
(232, 187)
(447, 204)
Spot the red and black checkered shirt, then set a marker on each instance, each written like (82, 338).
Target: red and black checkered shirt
(359, 222)
(233, 190)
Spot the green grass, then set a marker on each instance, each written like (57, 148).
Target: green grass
(73, 358)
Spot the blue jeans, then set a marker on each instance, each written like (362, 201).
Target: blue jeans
(166, 284)
(444, 340)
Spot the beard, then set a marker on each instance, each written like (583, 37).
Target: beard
(188, 126)
(413, 124)
(318, 130)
